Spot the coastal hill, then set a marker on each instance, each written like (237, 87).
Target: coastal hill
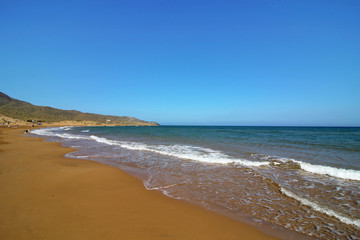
(24, 111)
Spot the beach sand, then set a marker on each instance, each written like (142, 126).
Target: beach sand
(47, 196)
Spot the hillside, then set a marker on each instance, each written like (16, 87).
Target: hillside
(25, 111)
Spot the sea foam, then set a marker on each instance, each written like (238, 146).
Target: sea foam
(349, 174)
(104, 140)
(322, 209)
(50, 133)
(205, 155)
(193, 153)
(44, 131)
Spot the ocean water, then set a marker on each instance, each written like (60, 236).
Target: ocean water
(301, 180)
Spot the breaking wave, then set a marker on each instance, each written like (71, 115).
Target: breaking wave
(49, 132)
(348, 174)
(206, 155)
(194, 153)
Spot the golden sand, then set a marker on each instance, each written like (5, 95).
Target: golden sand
(44, 195)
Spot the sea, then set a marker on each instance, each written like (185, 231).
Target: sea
(292, 182)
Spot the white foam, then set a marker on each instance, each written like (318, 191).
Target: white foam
(44, 131)
(66, 128)
(322, 209)
(349, 174)
(50, 133)
(164, 187)
(193, 153)
(70, 136)
(104, 140)
(79, 156)
(206, 155)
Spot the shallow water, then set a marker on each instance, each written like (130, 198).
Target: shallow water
(302, 179)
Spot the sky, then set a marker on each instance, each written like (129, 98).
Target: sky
(271, 62)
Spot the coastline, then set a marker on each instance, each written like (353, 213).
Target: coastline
(47, 196)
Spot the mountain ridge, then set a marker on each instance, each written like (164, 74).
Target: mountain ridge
(26, 111)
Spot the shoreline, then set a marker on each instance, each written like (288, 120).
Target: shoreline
(47, 196)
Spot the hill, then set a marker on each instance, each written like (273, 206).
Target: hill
(25, 111)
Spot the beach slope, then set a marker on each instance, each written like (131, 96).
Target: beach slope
(47, 196)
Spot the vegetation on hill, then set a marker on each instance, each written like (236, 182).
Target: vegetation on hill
(25, 111)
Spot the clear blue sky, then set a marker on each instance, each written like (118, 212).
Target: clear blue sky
(187, 62)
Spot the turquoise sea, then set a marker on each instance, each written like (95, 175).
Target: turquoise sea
(301, 180)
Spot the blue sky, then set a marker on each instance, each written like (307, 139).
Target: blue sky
(187, 62)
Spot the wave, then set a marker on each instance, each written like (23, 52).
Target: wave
(322, 209)
(104, 140)
(208, 155)
(348, 174)
(44, 131)
(194, 153)
(163, 187)
(49, 132)
(66, 128)
(78, 156)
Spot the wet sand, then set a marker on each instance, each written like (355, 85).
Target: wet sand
(47, 196)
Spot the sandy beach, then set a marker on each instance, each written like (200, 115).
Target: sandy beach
(47, 196)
